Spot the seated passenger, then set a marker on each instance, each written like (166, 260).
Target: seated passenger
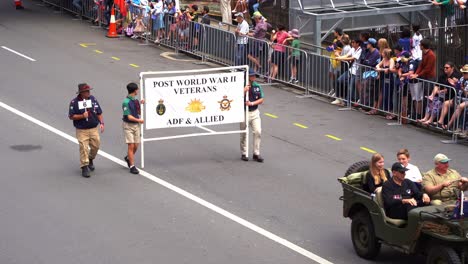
(377, 174)
(442, 183)
(413, 174)
(400, 195)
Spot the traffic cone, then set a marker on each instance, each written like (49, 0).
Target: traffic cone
(18, 4)
(112, 33)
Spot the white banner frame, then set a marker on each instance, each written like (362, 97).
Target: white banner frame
(208, 132)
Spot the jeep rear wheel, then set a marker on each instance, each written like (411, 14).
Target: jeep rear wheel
(365, 243)
(359, 166)
(442, 255)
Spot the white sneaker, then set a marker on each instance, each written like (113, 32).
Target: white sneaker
(336, 102)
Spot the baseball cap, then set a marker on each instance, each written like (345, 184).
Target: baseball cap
(397, 166)
(239, 14)
(441, 158)
(371, 41)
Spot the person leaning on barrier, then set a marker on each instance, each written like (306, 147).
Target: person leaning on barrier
(462, 88)
(241, 32)
(86, 114)
(258, 48)
(206, 19)
(377, 173)
(253, 98)
(352, 75)
(441, 183)
(400, 195)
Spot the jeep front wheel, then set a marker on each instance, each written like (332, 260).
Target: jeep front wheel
(365, 243)
(442, 255)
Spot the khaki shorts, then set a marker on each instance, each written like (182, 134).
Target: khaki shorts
(131, 132)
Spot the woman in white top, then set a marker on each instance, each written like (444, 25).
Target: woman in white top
(413, 174)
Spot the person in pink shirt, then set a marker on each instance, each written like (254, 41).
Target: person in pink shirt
(279, 50)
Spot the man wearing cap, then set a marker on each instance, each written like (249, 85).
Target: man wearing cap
(86, 114)
(400, 195)
(442, 183)
(253, 98)
(241, 32)
(257, 48)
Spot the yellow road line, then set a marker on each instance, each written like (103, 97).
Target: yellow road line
(98, 51)
(369, 150)
(115, 58)
(85, 45)
(333, 137)
(134, 65)
(300, 125)
(271, 115)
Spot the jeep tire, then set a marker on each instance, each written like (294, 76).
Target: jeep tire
(365, 243)
(359, 166)
(442, 254)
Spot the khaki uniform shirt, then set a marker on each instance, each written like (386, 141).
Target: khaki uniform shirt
(432, 178)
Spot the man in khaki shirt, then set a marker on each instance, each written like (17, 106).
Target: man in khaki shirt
(442, 183)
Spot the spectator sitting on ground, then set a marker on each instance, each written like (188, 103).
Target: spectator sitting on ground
(413, 174)
(442, 183)
(462, 88)
(400, 195)
(377, 173)
(449, 78)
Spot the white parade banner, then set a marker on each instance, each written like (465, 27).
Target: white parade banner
(194, 100)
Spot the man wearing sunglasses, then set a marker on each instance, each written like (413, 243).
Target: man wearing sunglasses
(86, 114)
(400, 195)
(442, 183)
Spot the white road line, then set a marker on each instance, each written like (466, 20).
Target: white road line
(206, 129)
(17, 53)
(182, 192)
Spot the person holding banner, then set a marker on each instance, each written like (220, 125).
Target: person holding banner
(131, 124)
(253, 98)
(86, 114)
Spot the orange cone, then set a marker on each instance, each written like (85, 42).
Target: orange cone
(112, 33)
(18, 4)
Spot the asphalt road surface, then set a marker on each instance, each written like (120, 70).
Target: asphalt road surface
(195, 201)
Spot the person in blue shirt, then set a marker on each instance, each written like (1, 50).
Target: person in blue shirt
(86, 114)
(253, 98)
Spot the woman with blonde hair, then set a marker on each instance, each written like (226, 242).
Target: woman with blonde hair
(377, 173)
(386, 68)
(382, 44)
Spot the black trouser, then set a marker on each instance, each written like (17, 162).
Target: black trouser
(401, 211)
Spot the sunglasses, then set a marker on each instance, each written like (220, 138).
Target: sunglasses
(447, 67)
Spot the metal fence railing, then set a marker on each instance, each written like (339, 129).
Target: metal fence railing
(399, 98)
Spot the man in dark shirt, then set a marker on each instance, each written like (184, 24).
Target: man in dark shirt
(86, 114)
(449, 79)
(253, 98)
(400, 195)
(206, 19)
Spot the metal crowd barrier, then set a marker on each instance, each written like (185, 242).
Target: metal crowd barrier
(420, 101)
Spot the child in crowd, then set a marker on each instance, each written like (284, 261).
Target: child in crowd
(416, 51)
(157, 15)
(407, 67)
(413, 174)
(295, 54)
(140, 27)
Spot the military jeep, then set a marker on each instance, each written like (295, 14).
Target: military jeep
(429, 231)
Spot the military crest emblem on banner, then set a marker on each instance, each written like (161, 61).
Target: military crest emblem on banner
(161, 108)
(225, 104)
